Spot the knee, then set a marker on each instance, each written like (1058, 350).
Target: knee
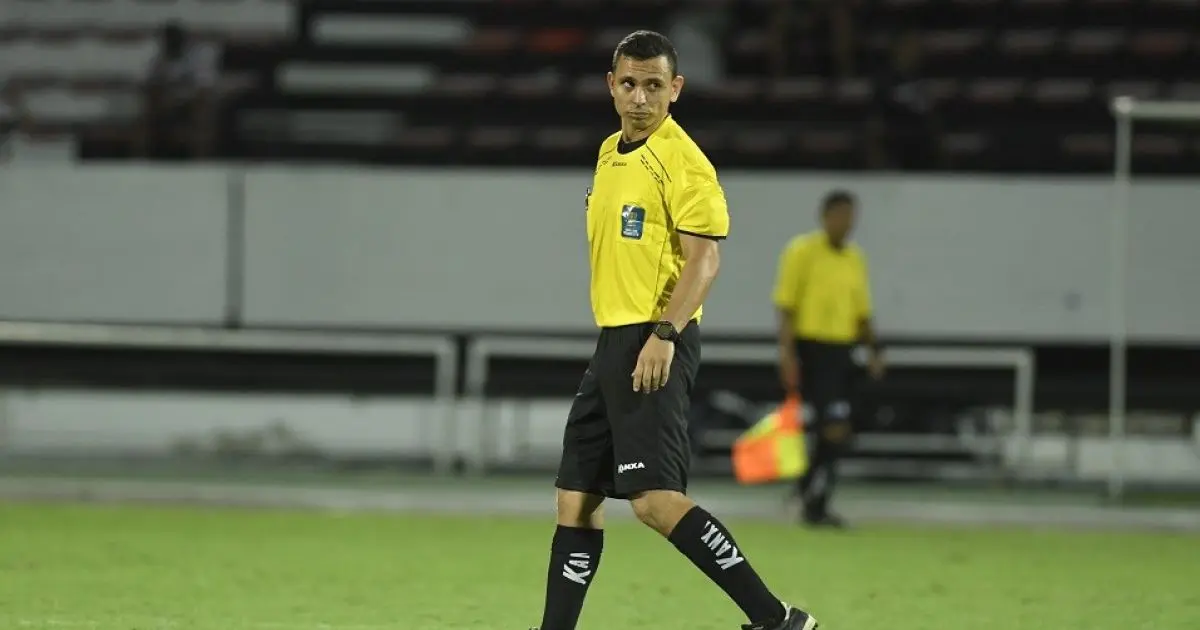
(836, 432)
(661, 510)
(579, 509)
(835, 427)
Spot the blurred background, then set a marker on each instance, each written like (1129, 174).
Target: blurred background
(343, 238)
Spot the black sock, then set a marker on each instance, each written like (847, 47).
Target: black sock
(822, 478)
(815, 481)
(574, 560)
(706, 542)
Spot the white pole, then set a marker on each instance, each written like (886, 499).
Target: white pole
(1123, 109)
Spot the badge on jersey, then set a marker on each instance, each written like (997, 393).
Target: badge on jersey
(633, 220)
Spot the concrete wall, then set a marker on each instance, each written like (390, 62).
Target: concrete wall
(979, 258)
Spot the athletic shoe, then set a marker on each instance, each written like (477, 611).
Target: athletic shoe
(796, 619)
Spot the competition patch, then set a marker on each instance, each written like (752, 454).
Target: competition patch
(633, 219)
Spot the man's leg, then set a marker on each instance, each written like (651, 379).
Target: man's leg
(710, 546)
(816, 399)
(820, 459)
(837, 430)
(819, 481)
(650, 444)
(584, 477)
(574, 558)
(826, 375)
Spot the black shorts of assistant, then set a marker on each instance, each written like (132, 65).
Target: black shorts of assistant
(826, 377)
(618, 442)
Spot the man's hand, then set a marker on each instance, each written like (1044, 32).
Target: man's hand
(653, 365)
(876, 366)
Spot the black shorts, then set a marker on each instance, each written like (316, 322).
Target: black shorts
(827, 373)
(619, 442)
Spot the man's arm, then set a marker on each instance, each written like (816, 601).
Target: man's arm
(789, 363)
(789, 286)
(866, 334)
(866, 326)
(697, 207)
(702, 262)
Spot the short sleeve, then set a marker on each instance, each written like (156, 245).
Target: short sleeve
(790, 276)
(862, 297)
(697, 202)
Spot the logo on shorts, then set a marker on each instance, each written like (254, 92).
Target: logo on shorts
(627, 467)
(633, 219)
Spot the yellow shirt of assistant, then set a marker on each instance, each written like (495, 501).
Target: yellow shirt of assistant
(826, 289)
(639, 204)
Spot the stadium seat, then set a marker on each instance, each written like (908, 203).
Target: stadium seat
(469, 76)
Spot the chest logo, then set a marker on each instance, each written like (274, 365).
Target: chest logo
(633, 221)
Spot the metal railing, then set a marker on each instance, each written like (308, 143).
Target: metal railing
(482, 350)
(459, 416)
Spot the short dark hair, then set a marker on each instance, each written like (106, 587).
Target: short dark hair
(836, 198)
(644, 45)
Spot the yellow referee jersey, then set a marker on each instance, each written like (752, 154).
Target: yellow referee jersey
(643, 196)
(825, 288)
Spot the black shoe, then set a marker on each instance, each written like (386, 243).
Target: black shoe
(832, 521)
(796, 619)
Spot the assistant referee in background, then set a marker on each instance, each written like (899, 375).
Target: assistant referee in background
(822, 293)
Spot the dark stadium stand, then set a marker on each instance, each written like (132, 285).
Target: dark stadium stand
(1020, 85)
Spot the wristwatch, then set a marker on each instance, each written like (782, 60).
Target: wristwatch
(665, 330)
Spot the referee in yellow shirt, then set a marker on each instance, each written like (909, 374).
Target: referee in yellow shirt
(655, 217)
(823, 296)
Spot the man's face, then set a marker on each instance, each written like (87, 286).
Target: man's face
(643, 91)
(839, 221)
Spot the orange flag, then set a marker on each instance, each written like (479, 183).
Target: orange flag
(773, 449)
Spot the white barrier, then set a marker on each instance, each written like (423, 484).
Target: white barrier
(482, 350)
(191, 244)
(441, 348)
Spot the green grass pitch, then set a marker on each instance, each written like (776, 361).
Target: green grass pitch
(143, 568)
